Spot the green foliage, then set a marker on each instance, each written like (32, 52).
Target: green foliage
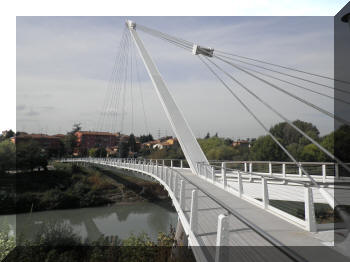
(69, 143)
(146, 138)
(30, 155)
(288, 135)
(7, 241)
(97, 152)
(265, 149)
(311, 153)
(132, 143)
(216, 148)
(123, 149)
(7, 156)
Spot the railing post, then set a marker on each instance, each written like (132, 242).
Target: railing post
(240, 185)
(182, 194)
(213, 173)
(171, 163)
(284, 169)
(250, 171)
(176, 186)
(163, 162)
(270, 168)
(181, 164)
(245, 166)
(300, 171)
(310, 220)
(324, 174)
(265, 192)
(223, 173)
(222, 239)
(194, 212)
(336, 171)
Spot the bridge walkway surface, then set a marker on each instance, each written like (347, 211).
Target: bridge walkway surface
(250, 233)
(240, 235)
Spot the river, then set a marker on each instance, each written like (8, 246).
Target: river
(91, 223)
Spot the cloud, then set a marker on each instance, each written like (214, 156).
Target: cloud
(64, 65)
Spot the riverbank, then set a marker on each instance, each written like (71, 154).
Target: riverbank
(71, 186)
(58, 242)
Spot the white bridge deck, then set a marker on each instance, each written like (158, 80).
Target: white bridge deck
(249, 225)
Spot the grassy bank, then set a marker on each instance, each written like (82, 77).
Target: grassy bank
(72, 186)
(57, 242)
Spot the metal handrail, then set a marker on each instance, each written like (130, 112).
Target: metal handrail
(273, 241)
(260, 175)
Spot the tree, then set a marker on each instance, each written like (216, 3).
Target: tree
(146, 138)
(265, 149)
(289, 135)
(215, 148)
(70, 140)
(207, 136)
(123, 149)
(30, 155)
(132, 143)
(97, 152)
(311, 153)
(76, 128)
(7, 156)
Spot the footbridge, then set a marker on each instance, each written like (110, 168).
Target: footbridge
(221, 208)
(226, 206)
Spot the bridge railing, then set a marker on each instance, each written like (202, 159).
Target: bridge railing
(290, 197)
(326, 171)
(188, 208)
(287, 195)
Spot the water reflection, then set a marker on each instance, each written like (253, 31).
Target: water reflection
(91, 223)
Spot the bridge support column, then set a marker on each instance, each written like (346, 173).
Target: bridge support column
(222, 239)
(310, 220)
(265, 192)
(194, 212)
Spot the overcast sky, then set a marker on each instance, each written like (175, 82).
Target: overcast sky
(64, 65)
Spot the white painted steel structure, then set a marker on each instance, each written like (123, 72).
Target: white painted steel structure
(183, 132)
(208, 210)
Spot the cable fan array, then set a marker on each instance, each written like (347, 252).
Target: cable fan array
(235, 62)
(123, 90)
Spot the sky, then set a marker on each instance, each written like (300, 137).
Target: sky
(64, 66)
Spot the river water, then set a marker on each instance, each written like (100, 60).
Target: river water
(91, 223)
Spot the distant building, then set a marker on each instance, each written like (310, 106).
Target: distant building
(169, 142)
(90, 139)
(47, 142)
(242, 143)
